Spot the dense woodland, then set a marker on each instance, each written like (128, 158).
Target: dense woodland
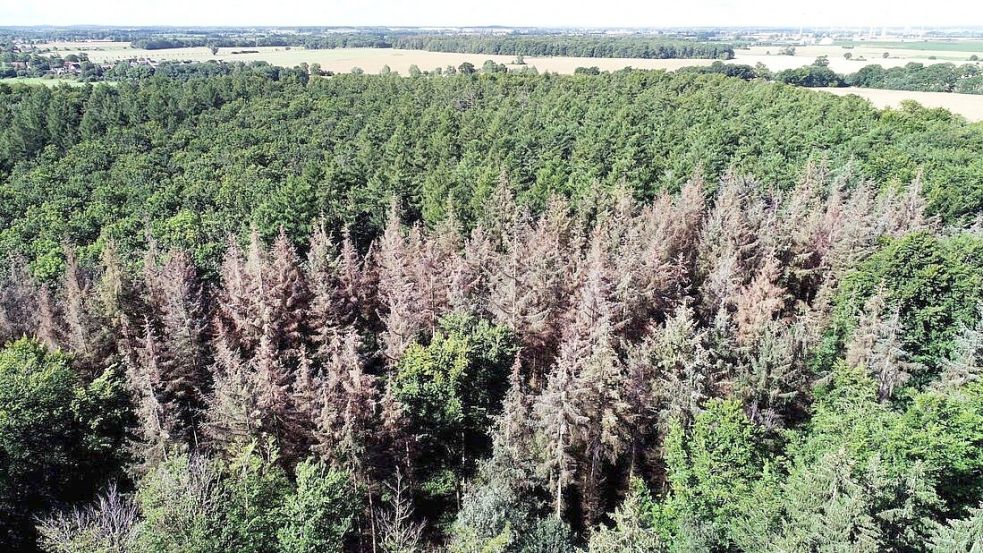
(527, 42)
(937, 77)
(591, 46)
(570, 45)
(635, 311)
(200, 158)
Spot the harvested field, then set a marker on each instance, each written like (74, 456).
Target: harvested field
(859, 57)
(372, 60)
(969, 106)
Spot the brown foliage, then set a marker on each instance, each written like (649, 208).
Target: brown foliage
(629, 317)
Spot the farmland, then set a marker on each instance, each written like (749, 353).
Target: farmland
(374, 60)
(969, 106)
(860, 55)
(371, 60)
(36, 81)
(936, 46)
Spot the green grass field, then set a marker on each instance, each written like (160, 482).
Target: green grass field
(40, 81)
(937, 46)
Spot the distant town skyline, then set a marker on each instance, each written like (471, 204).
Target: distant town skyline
(549, 13)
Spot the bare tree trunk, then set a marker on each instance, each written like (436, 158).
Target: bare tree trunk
(559, 495)
(372, 523)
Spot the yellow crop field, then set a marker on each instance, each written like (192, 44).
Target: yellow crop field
(969, 106)
(373, 60)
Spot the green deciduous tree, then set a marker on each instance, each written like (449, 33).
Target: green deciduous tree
(59, 435)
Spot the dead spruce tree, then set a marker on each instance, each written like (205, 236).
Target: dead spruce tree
(876, 346)
(582, 410)
(401, 300)
(170, 373)
(630, 316)
(19, 305)
(347, 414)
(260, 341)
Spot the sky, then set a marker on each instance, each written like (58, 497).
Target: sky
(547, 13)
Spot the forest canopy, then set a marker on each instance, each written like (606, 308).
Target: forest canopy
(263, 311)
(196, 159)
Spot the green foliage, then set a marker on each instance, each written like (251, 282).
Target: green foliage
(631, 532)
(499, 510)
(192, 504)
(318, 516)
(711, 470)
(467, 540)
(247, 148)
(489, 510)
(869, 477)
(816, 75)
(568, 45)
(934, 281)
(450, 388)
(860, 476)
(939, 430)
(292, 207)
(960, 536)
(456, 382)
(103, 411)
(739, 71)
(846, 416)
(936, 77)
(832, 504)
(250, 514)
(944, 432)
(548, 535)
(429, 380)
(180, 502)
(543, 535)
(840, 503)
(59, 436)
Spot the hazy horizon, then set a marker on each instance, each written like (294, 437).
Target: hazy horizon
(505, 13)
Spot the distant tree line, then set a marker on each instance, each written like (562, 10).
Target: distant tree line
(569, 45)
(44, 66)
(219, 41)
(590, 46)
(937, 77)
(350, 40)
